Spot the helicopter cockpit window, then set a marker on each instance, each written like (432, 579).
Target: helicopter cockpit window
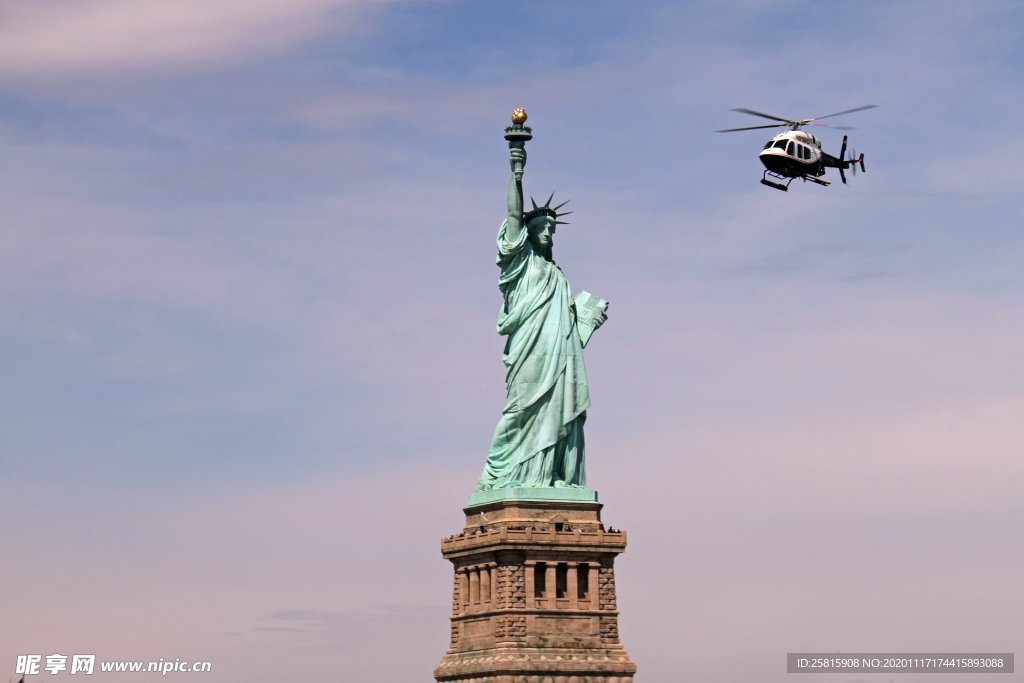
(781, 144)
(791, 149)
(768, 144)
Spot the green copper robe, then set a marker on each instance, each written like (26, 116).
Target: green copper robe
(539, 439)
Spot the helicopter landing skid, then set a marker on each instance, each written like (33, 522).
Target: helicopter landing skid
(777, 186)
(790, 179)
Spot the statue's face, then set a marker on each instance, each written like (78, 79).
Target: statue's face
(542, 230)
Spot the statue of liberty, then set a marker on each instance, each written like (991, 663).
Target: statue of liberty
(538, 441)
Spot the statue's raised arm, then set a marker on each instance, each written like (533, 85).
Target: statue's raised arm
(517, 134)
(517, 157)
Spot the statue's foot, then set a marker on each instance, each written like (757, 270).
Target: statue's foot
(559, 484)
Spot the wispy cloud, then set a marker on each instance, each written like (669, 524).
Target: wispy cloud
(68, 38)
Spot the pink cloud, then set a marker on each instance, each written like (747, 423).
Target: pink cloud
(92, 36)
(262, 582)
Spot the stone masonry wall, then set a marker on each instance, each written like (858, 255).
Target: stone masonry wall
(456, 608)
(606, 588)
(517, 585)
(610, 629)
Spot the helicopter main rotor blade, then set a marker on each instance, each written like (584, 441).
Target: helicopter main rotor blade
(847, 111)
(763, 115)
(828, 125)
(733, 130)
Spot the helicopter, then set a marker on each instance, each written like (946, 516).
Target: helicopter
(795, 153)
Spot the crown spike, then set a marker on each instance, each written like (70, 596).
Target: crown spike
(561, 222)
(546, 210)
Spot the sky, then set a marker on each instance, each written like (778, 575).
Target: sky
(248, 303)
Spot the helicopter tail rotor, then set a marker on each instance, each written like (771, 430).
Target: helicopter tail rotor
(854, 160)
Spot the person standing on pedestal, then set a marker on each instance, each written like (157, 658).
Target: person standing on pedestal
(538, 441)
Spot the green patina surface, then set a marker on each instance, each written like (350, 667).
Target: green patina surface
(537, 452)
(535, 493)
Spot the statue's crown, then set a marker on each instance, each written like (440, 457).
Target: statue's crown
(547, 210)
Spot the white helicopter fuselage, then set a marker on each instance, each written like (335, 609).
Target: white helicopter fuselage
(793, 154)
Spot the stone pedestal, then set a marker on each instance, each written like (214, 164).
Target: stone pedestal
(534, 596)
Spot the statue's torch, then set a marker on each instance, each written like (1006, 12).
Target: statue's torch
(517, 134)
